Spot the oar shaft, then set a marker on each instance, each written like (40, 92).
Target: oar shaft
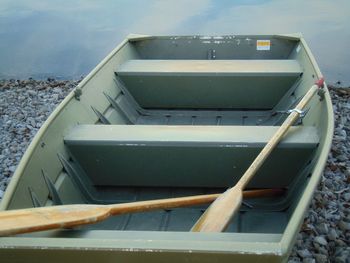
(54, 217)
(276, 138)
(143, 206)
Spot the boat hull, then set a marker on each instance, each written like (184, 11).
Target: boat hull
(152, 246)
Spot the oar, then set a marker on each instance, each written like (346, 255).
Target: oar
(54, 217)
(219, 214)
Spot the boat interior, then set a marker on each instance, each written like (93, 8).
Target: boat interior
(166, 117)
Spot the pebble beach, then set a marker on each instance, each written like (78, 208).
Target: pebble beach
(325, 233)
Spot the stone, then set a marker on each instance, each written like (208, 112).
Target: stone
(342, 259)
(344, 225)
(304, 253)
(346, 197)
(322, 228)
(12, 168)
(55, 97)
(332, 235)
(31, 92)
(340, 243)
(309, 260)
(321, 240)
(321, 258)
(294, 260)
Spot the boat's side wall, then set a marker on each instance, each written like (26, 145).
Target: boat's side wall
(212, 47)
(321, 116)
(29, 255)
(130, 246)
(41, 155)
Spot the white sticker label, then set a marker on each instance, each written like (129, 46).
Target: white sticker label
(263, 44)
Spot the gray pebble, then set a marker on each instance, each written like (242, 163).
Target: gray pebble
(344, 225)
(321, 240)
(321, 258)
(31, 92)
(55, 97)
(342, 259)
(294, 260)
(346, 197)
(346, 105)
(12, 168)
(332, 235)
(340, 243)
(309, 260)
(304, 253)
(342, 158)
(322, 228)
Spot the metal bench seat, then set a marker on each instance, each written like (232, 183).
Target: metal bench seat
(214, 156)
(209, 84)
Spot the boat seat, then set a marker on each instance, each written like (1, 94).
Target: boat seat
(192, 156)
(208, 84)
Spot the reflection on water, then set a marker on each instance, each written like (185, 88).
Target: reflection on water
(68, 38)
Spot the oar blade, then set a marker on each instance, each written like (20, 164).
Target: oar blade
(46, 218)
(218, 216)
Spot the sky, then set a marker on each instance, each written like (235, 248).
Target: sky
(68, 38)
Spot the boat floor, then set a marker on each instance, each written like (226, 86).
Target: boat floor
(260, 215)
(182, 219)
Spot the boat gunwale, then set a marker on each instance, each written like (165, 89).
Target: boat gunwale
(140, 37)
(298, 214)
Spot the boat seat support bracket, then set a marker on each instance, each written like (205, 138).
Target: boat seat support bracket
(302, 114)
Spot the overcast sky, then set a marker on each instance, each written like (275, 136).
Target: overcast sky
(69, 37)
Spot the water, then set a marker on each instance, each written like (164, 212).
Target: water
(68, 38)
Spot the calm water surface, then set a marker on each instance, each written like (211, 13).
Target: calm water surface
(68, 38)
